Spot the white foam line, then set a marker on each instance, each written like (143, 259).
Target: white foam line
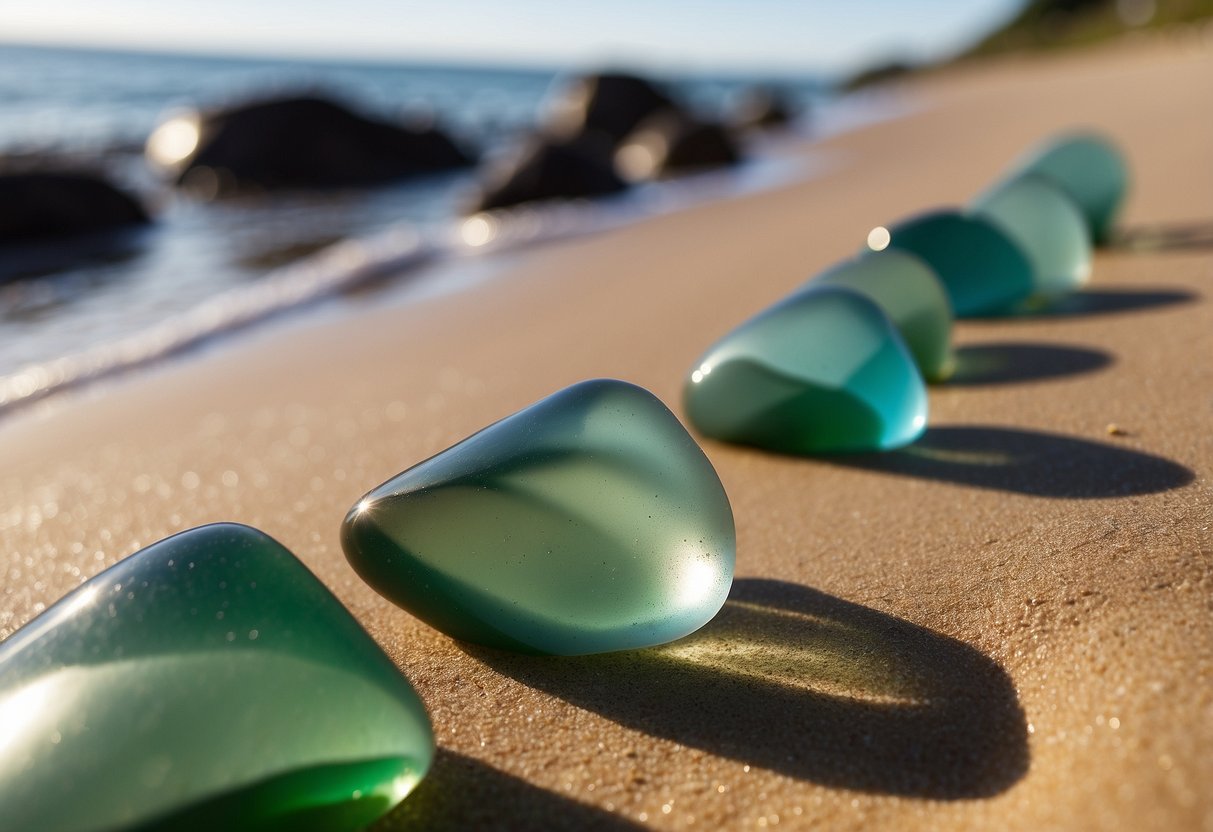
(339, 266)
(349, 262)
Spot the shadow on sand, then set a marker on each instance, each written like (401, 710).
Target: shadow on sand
(1007, 363)
(1102, 302)
(813, 687)
(1167, 237)
(1027, 462)
(461, 793)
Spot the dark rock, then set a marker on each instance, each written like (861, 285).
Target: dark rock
(671, 143)
(41, 205)
(545, 168)
(763, 108)
(301, 142)
(879, 74)
(610, 103)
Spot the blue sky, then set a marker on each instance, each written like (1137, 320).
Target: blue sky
(791, 35)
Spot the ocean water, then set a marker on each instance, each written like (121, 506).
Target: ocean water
(204, 267)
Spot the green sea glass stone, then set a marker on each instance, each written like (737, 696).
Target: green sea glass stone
(588, 522)
(1047, 225)
(823, 371)
(982, 270)
(206, 682)
(1092, 172)
(911, 295)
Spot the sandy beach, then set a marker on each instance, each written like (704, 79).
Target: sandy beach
(1005, 626)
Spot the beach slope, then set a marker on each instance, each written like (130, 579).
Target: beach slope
(1006, 626)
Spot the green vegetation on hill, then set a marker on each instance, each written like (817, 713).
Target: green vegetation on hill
(1042, 25)
(1052, 24)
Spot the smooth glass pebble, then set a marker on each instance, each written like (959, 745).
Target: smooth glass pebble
(982, 270)
(1047, 225)
(588, 522)
(823, 371)
(206, 682)
(911, 295)
(1092, 172)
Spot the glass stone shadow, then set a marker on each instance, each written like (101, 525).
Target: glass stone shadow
(812, 687)
(208, 681)
(1108, 301)
(1028, 462)
(461, 793)
(979, 365)
(1177, 236)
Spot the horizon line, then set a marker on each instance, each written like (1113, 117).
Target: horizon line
(445, 61)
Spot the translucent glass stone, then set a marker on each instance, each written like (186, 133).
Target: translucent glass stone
(206, 682)
(1091, 171)
(1047, 225)
(823, 371)
(913, 298)
(588, 522)
(982, 270)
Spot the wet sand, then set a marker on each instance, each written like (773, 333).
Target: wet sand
(1005, 626)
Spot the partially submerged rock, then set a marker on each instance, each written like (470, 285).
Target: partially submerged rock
(763, 108)
(608, 103)
(599, 132)
(298, 142)
(671, 142)
(54, 204)
(546, 168)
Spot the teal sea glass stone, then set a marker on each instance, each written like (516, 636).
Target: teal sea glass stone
(1090, 169)
(908, 291)
(206, 682)
(983, 271)
(588, 522)
(823, 371)
(1047, 226)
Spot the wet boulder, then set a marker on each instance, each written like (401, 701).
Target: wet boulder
(549, 168)
(299, 142)
(671, 143)
(763, 108)
(44, 205)
(877, 75)
(610, 104)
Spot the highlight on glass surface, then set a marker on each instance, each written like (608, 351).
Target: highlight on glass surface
(1090, 169)
(1047, 226)
(822, 371)
(910, 293)
(983, 271)
(587, 522)
(208, 681)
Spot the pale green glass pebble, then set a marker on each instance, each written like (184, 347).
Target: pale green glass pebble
(1090, 169)
(207, 682)
(1047, 225)
(823, 371)
(911, 295)
(588, 522)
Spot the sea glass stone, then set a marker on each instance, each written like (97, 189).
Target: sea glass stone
(588, 522)
(206, 682)
(1047, 225)
(823, 371)
(982, 270)
(911, 295)
(1090, 169)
